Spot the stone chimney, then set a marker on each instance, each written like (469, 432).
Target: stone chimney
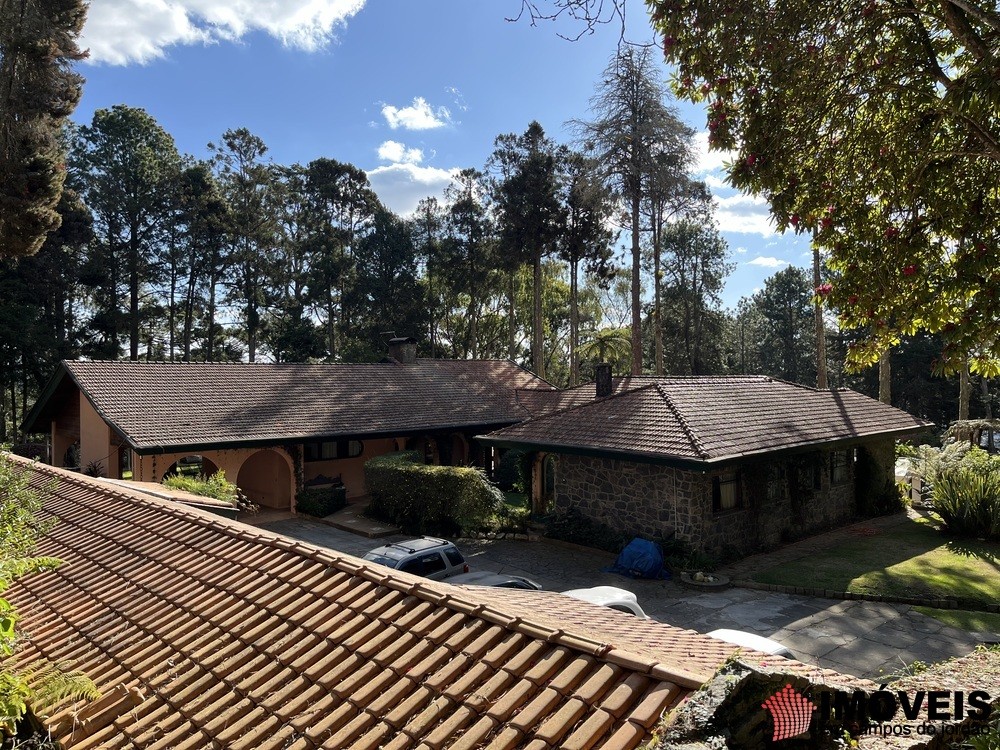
(403, 349)
(602, 378)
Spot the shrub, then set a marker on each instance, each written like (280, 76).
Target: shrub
(320, 501)
(425, 499)
(215, 486)
(968, 502)
(510, 471)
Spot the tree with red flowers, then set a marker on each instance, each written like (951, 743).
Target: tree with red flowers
(874, 124)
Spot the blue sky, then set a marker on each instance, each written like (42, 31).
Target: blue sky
(408, 91)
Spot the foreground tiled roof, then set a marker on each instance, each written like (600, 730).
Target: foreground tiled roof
(702, 419)
(203, 633)
(163, 404)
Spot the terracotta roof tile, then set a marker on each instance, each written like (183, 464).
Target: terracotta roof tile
(199, 615)
(163, 404)
(702, 419)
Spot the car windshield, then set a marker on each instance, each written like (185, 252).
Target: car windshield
(381, 559)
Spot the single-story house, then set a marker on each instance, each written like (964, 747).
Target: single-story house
(275, 428)
(726, 464)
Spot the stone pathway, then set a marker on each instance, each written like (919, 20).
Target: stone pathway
(868, 639)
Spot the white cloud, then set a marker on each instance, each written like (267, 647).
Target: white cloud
(418, 116)
(709, 161)
(396, 152)
(768, 262)
(401, 186)
(744, 214)
(741, 250)
(120, 32)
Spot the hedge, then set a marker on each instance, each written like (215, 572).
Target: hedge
(321, 501)
(424, 499)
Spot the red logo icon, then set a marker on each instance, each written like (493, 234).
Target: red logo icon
(790, 712)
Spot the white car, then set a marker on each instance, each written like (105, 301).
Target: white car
(751, 640)
(611, 597)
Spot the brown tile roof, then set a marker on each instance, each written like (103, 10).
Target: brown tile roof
(702, 419)
(203, 633)
(193, 404)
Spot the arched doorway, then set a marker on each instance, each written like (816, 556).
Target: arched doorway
(266, 480)
(543, 483)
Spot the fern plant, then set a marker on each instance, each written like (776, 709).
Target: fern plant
(39, 685)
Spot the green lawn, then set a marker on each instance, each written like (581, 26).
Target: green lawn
(516, 500)
(965, 619)
(911, 560)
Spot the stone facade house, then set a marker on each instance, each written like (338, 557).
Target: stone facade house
(726, 464)
(275, 428)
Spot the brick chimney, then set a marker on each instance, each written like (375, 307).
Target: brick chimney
(602, 378)
(403, 349)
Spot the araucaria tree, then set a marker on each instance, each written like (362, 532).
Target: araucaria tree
(631, 131)
(875, 125)
(38, 91)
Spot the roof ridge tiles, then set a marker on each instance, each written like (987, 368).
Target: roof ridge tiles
(584, 405)
(699, 447)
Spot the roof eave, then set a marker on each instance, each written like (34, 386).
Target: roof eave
(278, 440)
(694, 464)
(28, 425)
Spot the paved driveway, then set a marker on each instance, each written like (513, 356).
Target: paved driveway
(867, 639)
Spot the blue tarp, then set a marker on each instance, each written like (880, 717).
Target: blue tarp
(640, 559)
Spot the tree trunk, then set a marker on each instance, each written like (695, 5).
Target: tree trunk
(657, 293)
(537, 361)
(884, 378)
(964, 391)
(636, 312)
(574, 325)
(820, 328)
(133, 296)
(512, 316)
(210, 344)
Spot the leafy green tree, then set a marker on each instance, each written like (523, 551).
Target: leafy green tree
(875, 125)
(40, 684)
(247, 182)
(341, 208)
(427, 226)
(38, 91)
(529, 213)
(695, 266)
(469, 252)
(386, 296)
(786, 343)
(631, 131)
(585, 239)
(127, 165)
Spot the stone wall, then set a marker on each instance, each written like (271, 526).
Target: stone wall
(781, 500)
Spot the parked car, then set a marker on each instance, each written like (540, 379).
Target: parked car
(428, 557)
(752, 640)
(612, 597)
(497, 580)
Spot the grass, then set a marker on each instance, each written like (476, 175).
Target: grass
(516, 500)
(911, 560)
(965, 619)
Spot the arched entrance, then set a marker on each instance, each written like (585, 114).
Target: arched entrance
(266, 480)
